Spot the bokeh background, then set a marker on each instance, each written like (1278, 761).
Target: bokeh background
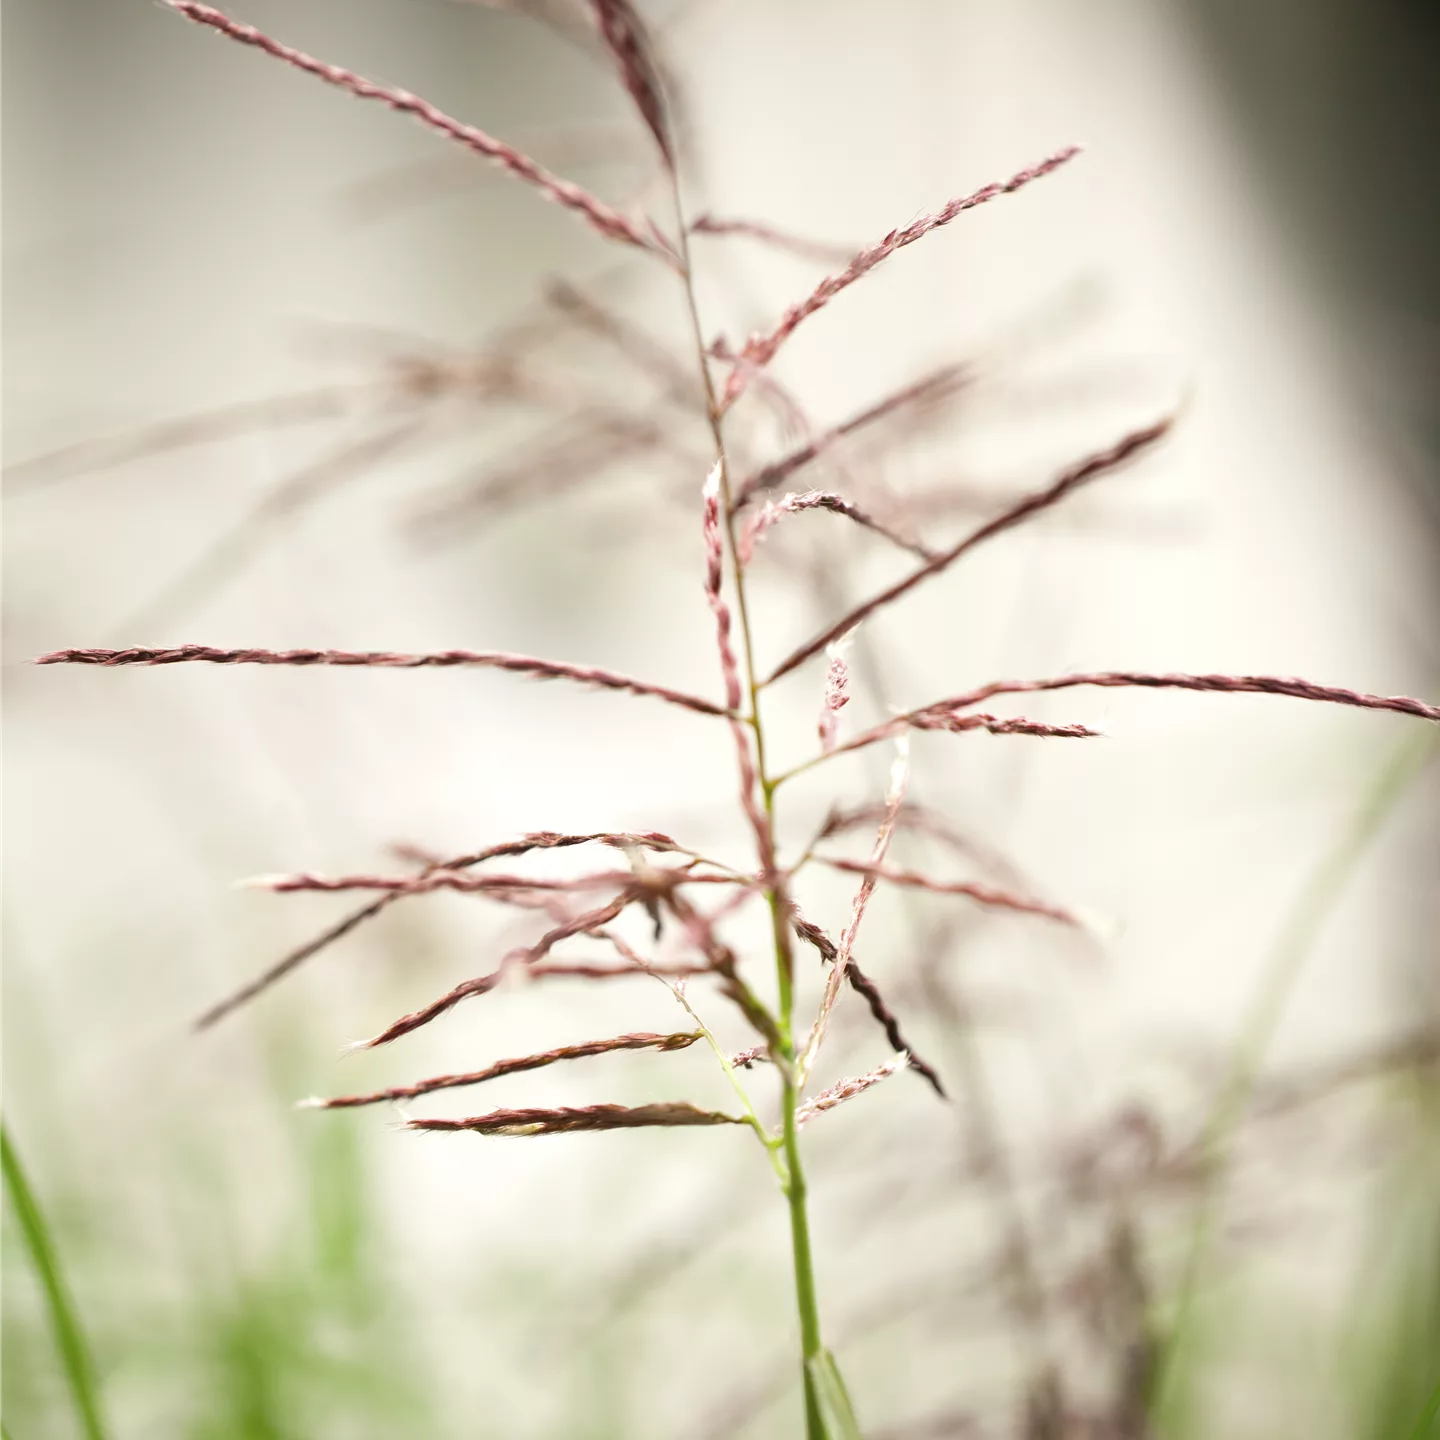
(190, 227)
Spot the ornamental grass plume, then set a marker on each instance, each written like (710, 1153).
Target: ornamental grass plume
(688, 897)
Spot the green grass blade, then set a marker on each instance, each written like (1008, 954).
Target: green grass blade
(69, 1337)
(1306, 919)
(832, 1398)
(1426, 1422)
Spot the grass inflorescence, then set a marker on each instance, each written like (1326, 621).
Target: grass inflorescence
(686, 898)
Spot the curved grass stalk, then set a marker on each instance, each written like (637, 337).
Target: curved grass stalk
(1307, 918)
(827, 1410)
(772, 1145)
(70, 1339)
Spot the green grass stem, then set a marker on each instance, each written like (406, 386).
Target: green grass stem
(69, 1336)
(1303, 925)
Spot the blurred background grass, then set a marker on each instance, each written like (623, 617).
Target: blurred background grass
(188, 227)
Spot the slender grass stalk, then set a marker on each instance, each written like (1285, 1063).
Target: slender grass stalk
(813, 1353)
(69, 1336)
(1312, 908)
(1394, 1309)
(751, 1118)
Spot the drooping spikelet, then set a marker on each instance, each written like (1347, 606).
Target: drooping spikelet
(572, 1119)
(847, 1089)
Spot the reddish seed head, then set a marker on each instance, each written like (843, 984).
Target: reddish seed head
(624, 34)
(837, 695)
(761, 348)
(385, 659)
(776, 510)
(1089, 469)
(658, 888)
(848, 1089)
(574, 1119)
(596, 213)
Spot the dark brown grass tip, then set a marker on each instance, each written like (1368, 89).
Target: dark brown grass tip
(868, 991)
(567, 1120)
(638, 1041)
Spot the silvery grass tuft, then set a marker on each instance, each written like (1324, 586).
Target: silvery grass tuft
(689, 897)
